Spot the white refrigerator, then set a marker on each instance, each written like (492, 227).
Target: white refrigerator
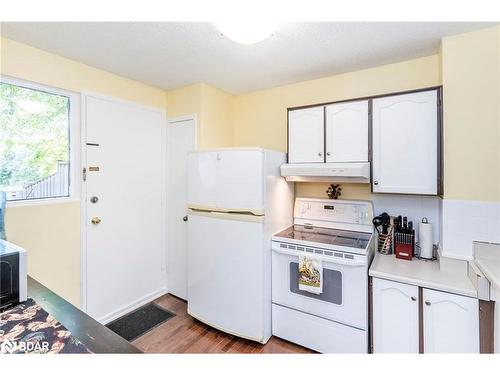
(237, 200)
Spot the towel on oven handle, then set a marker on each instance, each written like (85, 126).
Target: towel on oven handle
(310, 274)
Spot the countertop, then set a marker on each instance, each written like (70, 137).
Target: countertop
(424, 273)
(491, 269)
(487, 258)
(94, 335)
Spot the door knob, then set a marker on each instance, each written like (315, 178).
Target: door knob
(375, 182)
(320, 154)
(413, 299)
(94, 199)
(427, 303)
(185, 218)
(328, 154)
(95, 220)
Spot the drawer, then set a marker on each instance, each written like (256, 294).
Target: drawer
(316, 333)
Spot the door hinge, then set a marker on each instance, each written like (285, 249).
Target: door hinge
(84, 174)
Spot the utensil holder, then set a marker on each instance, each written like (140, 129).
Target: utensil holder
(385, 241)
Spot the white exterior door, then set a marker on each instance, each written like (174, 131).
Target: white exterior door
(123, 206)
(306, 135)
(240, 181)
(395, 317)
(181, 140)
(451, 323)
(405, 143)
(347, 132)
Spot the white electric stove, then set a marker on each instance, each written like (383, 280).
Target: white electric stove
(340, 234)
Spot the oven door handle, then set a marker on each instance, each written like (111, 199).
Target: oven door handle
(329, 259)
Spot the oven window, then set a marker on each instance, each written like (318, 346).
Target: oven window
(332, 285)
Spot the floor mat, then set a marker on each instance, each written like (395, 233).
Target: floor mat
(140, 321)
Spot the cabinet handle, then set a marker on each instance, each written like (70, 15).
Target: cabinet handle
(413, 299)
(427, 303)
(328, 154)
(320, 154)
(375, 182)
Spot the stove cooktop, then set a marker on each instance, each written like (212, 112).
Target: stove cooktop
(318, 236)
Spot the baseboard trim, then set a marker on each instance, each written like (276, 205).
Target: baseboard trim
(131, 307)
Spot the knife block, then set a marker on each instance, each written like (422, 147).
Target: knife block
(404, 245)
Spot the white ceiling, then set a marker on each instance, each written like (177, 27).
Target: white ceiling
(174, 54)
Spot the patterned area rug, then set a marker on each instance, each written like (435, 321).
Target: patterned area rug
(27, 328)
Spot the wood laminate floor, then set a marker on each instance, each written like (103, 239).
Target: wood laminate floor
(184, 334)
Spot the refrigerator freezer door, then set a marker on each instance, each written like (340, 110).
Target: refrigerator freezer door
(240, 185)
(202, 180)
(225, 275)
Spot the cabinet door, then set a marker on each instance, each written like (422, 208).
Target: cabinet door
(306, 135)
(347, 132)
(405, 143)
(451, 323)
(395, 317)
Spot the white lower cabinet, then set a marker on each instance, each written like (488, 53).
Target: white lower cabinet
(450, 323)
(395, 317)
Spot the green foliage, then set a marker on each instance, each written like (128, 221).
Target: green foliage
(34, 129)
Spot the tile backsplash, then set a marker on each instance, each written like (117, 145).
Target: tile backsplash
(413, 207)
(466, 221)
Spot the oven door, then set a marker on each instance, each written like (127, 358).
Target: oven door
(345, 285)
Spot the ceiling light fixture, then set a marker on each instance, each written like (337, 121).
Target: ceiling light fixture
(245, 32)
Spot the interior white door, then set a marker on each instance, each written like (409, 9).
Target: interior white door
(451, 323)
(347, 132)
(395, 317)
(181, 140)
(124, 206)
(240, 180)
(306, 135)
(405, 143)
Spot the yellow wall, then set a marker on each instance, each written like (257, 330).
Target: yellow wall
(471, 103)
(213, 108)
(260, 117)
(216, 128)
(51, 233)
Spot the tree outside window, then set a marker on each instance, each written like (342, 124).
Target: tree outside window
(34, 143)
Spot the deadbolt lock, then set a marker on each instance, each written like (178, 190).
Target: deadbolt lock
(95, 220)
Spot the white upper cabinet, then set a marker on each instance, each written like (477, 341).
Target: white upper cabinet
(395, 317)
(405, 143)
(306, 135)
(451, 323)
(347, 132)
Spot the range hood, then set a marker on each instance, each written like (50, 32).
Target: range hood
(327, 172)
